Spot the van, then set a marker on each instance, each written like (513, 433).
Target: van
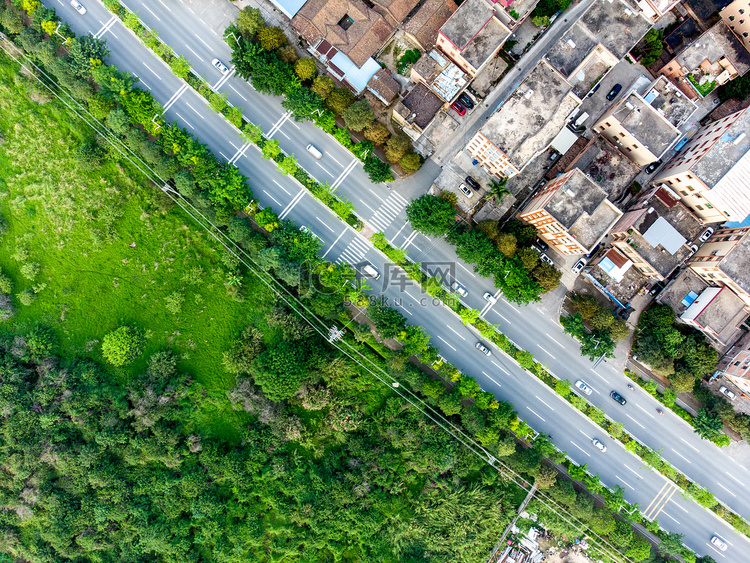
(370, 271)
(315, 152)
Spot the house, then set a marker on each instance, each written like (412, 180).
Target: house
(615, 264)
(656, 233)
(416, 110)
(473, 35)
(716, 57)
(424, 26)
(737, 17)
(571, 213)
(438, 73)
(288, 7)
(723, 260)
(711, 173)
(383, 86)
(637, 129)
(654, 9)
(668, 101)
(735, 363)
(526, 123)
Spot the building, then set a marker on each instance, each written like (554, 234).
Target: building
(724, 259)
(716, 57)
(525, 125)
(416, 110)
(668, 101)
(424, 26)
(438, 73)
(571, 213)
(656, 233)
(654, 9)
(383, 86)
(711, 173)
(735, 364)
(737, 17)
(637, 129)
(473, 35)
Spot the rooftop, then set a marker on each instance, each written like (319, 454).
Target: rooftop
(712, 45)
(466, 22)
(618, 25)
(668, 101)
(607, 166)
(726, 152)
(682, 36)
(704, 9)
(384, 85)
(582, 208)
(397, 9)
(532, 116)
(645, 124)
(485, 43)
(720, 310)
(422, 102)
(735, 263)
(571, 49)
(679, 289)
(426, 23)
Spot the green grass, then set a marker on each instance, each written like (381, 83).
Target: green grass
(77, 223)
(704, 89)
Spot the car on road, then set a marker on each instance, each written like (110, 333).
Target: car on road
(466, 100)
(466, 191)
(614, 91)
(583, 386)
(78, 7)
(726, 391)
(314, 151)
(543, 246)
(473, 183)
(458, 288)
(720, 543)
(706, 234)
(307, 230)
(458, 108)
(617, 397)
(220, 66)
(579, 266)
(652, 167)
(371, 271)
(483, 349)
(598, 445)
(489, 297)
(544, 258)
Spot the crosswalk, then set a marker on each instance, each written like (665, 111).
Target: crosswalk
(354, 252)
(391, 207)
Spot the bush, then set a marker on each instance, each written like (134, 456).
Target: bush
(377, 133)
(6, 284)
(377, 170)
(30, 270)
(339, 100)
(396, 147)
(122, 345)
(305, 69)
(411, 162)
(27, 297)
(358, 115)
(271, 38)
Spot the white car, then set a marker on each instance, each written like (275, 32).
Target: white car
(483, 349)
(598, 445)
(706, 234)
(220, 66)
(728, 392)
(464, 190)
(585, 389)
(78, 7)
(546, 259)
(720, 543)
(489, 297)
(579, 266)
(458, 288)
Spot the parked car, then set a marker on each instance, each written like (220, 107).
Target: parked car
(78, 7)
(544, 258)
(720, 543)
(652, 167)
(728, 392)
(594, 89)
(489, 297)
(464, 190)
(617, 397)
(220, 66)
(458, 288)
(543, 246)
(614, 91)
(598, 445)
(706, 234)
(693, 248)
(583, 386)
(593, 251)
(483, 349)
(466, 100)
(554, 156)
(458, 108)
(473, 183)
(579, 266)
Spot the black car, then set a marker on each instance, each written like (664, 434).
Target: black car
(466, 100)
(653, 166)
(593, 90)
(614, 91)
(473, 183)
(617, 397)
(543, 246)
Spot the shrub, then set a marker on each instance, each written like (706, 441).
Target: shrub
(358, 115)
(339, 100)
(396, 147)
(305, 69)
(30, 270)
(271, 38)
(122, 345)
(174, 302)
(27, 297)
(411, 162)
(377, 133)
(323, 86)
(6, 284)
(288, 54)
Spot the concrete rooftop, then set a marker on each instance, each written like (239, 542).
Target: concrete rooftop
(725, 312)
(718, 41)
(571, 49)
(618, 24)
(607, 167)
(532, 116)
(727, 151)
(485, 43)
(735, 263)
(646, 124)
(423, 102)
(678, 289)
(666, 99)
(466, 22)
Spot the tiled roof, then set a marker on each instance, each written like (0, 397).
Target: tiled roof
(426, 23)
(384, 85)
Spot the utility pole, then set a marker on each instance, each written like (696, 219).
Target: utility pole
(499, 546)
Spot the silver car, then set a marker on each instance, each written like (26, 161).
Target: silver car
(78, 7)
(220, 66)
(458, 288)
(585, 389)
(720, 543)
(483, 349)
(598, 445)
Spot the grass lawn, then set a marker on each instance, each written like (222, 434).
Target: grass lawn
(77, 224)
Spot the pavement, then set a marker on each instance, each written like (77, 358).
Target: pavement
(194, 29)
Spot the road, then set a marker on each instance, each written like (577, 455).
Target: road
(383, 209)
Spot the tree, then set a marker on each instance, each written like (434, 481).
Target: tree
(671, 544)
(411, 162)
(433, 388)
(305, 104)
(281, 369)
(603, 522)
(507, 244)
(180, 66)
(12, 22)
(377, 170)
(396, 147)
(122, 345)
(652, 46)
(377, 132)
(339, 100)
(622, 533)
(271, 38)
(450, 403)
(546, 478)
(388, 321)
(99, 106)
(498, 189)
(84, 51)
(323, 86)
(271, 149)
(528, 257)
(548, 277)
(271, 76)
(707, 425)
(430, 215)
(449, 197)
(358, 115)
(250, 21)
(525, 234)
(540, 21)
(305, 68)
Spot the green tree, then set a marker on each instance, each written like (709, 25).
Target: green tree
(548, 277)
(323, 86)
(281, 369)
(122, 345)
(271, 149)
(377, 133)
(271, 38)
(180, 66)
(377, 170)
(450, 403)
(433, 388)
(671, 544)
(411, 162)
(272, 76)
(540, 21)
(653, 44)
(507, 244)
(388, 321)
(529, 258)
(99, 106)
(358, 115)
(396, 147)
(305, 104)
(305, 68)
(546, 478)
(339, 100)
(498, 189)
(430, 215)
(84, 51)
(250, 21)
(707, 425)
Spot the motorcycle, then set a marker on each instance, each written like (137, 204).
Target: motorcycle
(660, 411)
(630, 387)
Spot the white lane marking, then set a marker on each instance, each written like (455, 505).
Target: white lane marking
(223, 155)
(410, 296)
(333, 159)
(545, 351)
(273, 198)
(282, 187)
(186, 121)
(201, 40)
(280, 132)
(141, 81)
(398, 233)
(163, 4)
(690, 445)
(682, 456)
(498, 366)
(644, 410)
(153, 14)
(446, 343)
(555, 341)
(678, 506)
(469, 271)
(195, 110)
(236, 92)
(587, 436)
(712, 546)
(368, 207)
(580, 448)
(502, 317)
(631, 469)
(529, 409)
(323, 167)
(334, 243)
(295, 200)
(194, 53)
(626, 484)
(405, 309)
(735, 478)
(727, 490)
(148, 67)
(324, 224)
(543, 402)
(634, 420)
(511, 305)
(340, 180)
(376, 195)
(668, 516)
(597, 375)
(455, 332)
(492, 379)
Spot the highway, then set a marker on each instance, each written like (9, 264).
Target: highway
(383, 210)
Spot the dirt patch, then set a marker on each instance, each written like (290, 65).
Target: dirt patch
(395, 51)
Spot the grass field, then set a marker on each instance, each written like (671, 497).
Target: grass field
(77, 224)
